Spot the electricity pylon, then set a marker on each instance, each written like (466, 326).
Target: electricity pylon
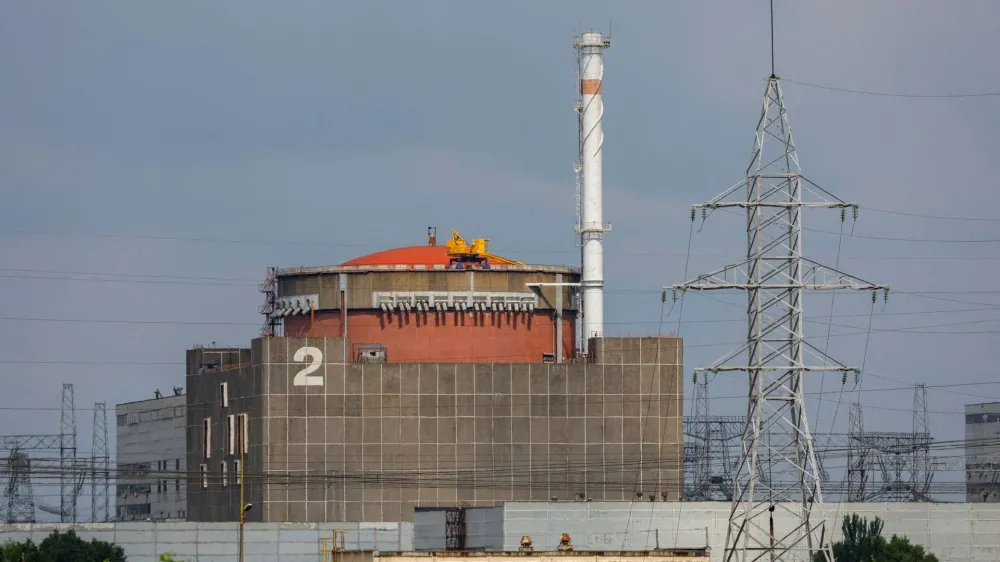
(778, 477)
(99, 473)
(922, 473)
(68, 490)
(857, 456)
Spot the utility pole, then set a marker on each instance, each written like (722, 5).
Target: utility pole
(778, 467)
(243, 425)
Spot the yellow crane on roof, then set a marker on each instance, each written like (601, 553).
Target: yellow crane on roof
(477, 252)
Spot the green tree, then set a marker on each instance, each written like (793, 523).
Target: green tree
(863, 542)
(26, 551)
(899, 549)
(62, 547)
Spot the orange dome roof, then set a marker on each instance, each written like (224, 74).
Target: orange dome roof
(410, 255)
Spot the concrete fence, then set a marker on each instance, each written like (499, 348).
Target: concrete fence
(218, 542)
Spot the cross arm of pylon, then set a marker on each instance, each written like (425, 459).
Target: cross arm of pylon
(777, 359)
(815, 276)
(773, 184)
(53, 442)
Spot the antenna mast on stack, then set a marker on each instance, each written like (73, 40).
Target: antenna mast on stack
(778, 477)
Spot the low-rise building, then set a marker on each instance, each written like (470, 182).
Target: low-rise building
(982, 452)
(151, 460)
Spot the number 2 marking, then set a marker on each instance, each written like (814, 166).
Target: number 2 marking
(303, 377)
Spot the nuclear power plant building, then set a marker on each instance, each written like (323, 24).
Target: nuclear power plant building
(431, 376)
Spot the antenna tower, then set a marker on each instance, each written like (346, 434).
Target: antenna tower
(99, 475)
(269, 288)
(778, 477)
(67, 458)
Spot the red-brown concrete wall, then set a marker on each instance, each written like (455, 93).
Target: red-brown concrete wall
(446, 337)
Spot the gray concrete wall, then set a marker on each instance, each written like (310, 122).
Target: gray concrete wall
(483, 529)
(431, 527)
(954, 532)
(217, 542)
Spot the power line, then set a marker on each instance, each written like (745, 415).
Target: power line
(936, 217)
(892, 94)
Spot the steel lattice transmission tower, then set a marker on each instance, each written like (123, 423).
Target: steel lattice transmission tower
(778, 478)
(20, 499)
(857, 457)
(703, 467)
(100, 461)
(67, 458)
(922, 472)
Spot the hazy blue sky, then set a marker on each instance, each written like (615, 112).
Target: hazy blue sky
(246, 134)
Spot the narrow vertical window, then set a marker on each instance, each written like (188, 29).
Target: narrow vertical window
(244, 433)
(237, 469)
(231, 434)
(204, 476)
(207, 437)
(224, 467)
(224, 394)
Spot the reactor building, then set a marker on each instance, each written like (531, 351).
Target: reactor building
(431, 376)
(439, 375)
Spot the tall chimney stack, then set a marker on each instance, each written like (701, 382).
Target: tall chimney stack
(590, 49)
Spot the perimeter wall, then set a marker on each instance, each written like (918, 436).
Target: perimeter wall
(217, 542)
(958, 532)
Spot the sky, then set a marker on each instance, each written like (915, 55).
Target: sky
(178, 149)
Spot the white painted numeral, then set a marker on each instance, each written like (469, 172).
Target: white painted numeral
(303, 377)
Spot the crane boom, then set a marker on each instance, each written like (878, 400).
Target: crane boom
(477, 252)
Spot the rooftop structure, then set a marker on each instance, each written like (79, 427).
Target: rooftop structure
(456, 303)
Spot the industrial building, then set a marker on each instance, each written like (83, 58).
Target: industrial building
(982, 452)
(329, 438)
(151, 458)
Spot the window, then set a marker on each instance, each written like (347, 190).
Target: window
(179, 411)
(224, 394)
(204, 476)
(177, 484)
(243, 433)
(207, 437)
(231, 434)
(159, 487)
(122, 419)
(237, 472)
(224, 467)
(177, 464)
